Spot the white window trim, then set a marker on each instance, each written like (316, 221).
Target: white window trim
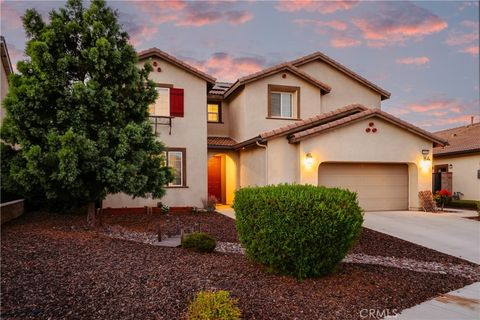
(292, 107)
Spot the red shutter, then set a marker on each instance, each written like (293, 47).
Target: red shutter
(176, 102)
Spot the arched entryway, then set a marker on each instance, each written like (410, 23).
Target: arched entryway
(222, 177)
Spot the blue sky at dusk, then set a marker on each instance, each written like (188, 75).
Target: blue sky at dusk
(425, 53)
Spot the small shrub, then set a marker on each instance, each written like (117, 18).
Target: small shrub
(210, 204)
(299, 230)
(217, 305)
(199, 242)
(463, 204)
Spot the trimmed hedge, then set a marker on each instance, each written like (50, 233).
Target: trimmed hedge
(199, 242)
(209, 305)
(300, 230)
(467, 204)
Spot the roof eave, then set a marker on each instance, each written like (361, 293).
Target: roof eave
(455, 153)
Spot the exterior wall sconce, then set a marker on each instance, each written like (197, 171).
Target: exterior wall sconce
(426, 162)
(308, 160)
(450, 166)
(426, 153)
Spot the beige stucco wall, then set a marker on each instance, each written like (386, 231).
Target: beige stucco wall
(390, 144)
(3, 90)
(345, 90)
(249, 110)
(252, 167)
(283, 161)
(188, 132)
(464, 174)
(352, 144)
(221, 129)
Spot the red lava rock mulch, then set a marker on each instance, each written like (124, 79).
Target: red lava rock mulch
(52, 267)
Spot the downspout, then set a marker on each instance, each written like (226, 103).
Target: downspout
(266, 160)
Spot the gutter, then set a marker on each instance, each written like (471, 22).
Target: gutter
(266, 160)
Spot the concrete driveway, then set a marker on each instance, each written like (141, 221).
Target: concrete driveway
(449, 233)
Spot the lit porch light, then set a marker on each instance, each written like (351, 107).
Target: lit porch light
(308, 160)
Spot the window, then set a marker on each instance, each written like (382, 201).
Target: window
(283, 102)
(161, 107)
(213, 112)
(175, 158)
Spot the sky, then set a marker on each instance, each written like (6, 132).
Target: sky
(426, 53)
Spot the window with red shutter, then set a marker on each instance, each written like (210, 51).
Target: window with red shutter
(176, 102)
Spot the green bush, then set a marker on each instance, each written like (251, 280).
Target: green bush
(199, 241)
(300, 230)
(463, 204)
(217, 305)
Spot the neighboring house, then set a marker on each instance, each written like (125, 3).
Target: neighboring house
(308, 121)
(461, 158)
(6, 71)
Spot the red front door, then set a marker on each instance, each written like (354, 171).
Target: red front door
(215, 177)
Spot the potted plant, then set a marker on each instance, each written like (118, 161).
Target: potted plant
(442, 197)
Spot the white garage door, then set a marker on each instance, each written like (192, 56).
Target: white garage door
(379, 186)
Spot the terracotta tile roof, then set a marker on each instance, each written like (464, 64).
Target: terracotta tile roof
(179, 63)
(7, 64)
(465, 139)
(221, 142)
(220, 88)
(275, 69)
(365, 115)
(314, 121)
(318, 55)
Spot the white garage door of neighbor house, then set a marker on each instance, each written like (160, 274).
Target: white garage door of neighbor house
(379, 186)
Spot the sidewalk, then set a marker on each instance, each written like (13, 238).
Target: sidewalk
(461, 304)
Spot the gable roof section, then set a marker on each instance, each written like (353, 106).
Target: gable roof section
(155, 52)
(320, 56)
(369, 113)
(314, 121)
(220, 142)
(461, 140)
(274, 70)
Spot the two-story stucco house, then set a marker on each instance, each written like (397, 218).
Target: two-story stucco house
(307, 121)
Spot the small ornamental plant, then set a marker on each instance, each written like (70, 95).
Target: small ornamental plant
(209, 305)
(199, 242)
(210, 204)
(442, 197)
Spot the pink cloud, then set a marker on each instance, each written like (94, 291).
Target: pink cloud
(141, 33)
(473, 50)
(226, 67)
(334, 24)
(466, 37)
(396, 23)
(344, 42)
(324, 7)
(199, 19)
(413, 60)
(238, 17)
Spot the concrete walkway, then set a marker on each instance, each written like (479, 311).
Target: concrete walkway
(449, 233)
(461, 304)
(226, 210)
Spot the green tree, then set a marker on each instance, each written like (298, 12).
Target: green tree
(76, 125)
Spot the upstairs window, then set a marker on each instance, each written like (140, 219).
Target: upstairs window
(169, 102)
(213, 112)
(282, 105)
(161, 106)
(283, 102)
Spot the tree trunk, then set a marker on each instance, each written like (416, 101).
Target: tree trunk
(91, 215)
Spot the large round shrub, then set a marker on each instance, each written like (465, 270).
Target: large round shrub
(301, 230)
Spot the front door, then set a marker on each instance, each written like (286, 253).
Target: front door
(215, 177)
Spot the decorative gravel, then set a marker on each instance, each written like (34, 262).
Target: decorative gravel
(52, 267)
